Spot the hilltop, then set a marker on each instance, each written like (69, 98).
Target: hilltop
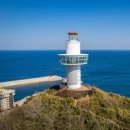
(48, 111)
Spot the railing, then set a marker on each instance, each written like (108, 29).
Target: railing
(73, 59)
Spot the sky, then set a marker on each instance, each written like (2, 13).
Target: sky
(43, 24)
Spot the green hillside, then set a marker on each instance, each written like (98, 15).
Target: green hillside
(46, 111)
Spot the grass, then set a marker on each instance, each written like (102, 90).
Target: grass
(46, 111)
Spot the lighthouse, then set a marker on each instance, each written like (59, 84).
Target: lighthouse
(73, 59)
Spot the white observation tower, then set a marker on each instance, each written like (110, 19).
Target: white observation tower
(73, 59)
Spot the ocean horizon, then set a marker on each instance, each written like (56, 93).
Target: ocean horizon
(106, 69)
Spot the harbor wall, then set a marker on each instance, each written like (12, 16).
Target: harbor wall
(30, 81)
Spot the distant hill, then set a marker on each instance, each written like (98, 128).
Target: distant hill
(46, 111)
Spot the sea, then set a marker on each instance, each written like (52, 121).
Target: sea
(107, 70)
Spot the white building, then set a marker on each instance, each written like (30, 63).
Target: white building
(6, 99)
(73, 59)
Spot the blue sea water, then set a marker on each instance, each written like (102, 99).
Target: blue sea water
(108, 70)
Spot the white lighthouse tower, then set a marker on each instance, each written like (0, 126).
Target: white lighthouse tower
(73, 59)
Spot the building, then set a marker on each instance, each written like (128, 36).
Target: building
(73, 59)
(6, 99)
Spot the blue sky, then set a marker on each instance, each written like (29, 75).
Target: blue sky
(43, 24)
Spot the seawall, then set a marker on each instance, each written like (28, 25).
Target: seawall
(30, 81)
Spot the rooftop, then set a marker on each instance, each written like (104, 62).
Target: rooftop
(72, 33)
(6, 91)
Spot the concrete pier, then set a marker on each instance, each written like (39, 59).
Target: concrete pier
(30, 81)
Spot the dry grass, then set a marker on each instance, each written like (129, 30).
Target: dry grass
(48, 111)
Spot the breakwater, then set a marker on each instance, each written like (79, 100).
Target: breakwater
(30, 81)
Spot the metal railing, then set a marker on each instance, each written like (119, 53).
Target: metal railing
(73, 59)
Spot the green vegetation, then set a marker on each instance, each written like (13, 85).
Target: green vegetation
(100, 111)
